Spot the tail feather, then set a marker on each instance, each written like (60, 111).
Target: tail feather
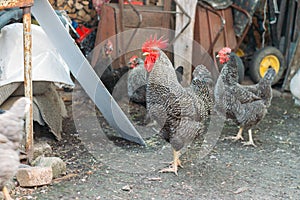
(270, 74)
(203, 85)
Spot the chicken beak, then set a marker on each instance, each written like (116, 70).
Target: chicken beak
(146, 54)
(217, 56)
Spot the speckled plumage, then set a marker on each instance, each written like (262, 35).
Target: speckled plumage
(11, 133)
(179, 111)
(246, 105)
(137, 82)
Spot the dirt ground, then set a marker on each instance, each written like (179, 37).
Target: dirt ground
(100, 165)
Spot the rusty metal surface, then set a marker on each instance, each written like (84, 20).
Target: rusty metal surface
(28, 79)
(214, 28)
(211, 26)
(247, 26)
(15, 3)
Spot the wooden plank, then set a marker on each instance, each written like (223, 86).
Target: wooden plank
(166, 17)
(106, 29)
(150, 19)
(183, 46)
(4, 4)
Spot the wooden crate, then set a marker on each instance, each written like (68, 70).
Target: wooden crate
(110, 26)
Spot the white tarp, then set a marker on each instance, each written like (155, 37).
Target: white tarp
(295, 87)
(47, 65)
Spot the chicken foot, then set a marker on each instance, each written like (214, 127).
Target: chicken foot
(6, 195)
(174, 165)
(237, 137)
(250, 142)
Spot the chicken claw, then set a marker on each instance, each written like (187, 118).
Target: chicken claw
(250, 142)
(174, 165)
(237, 137)
(6, 195)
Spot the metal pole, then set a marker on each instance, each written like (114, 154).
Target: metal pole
(27, 42)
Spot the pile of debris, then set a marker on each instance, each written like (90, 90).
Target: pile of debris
(80, 10)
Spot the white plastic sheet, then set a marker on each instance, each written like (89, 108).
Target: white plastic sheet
(295, 87)
(47, 64)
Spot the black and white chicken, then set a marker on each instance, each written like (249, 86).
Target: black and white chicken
(11, 133)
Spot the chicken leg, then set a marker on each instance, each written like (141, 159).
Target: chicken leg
(6, 195)
(175, 164)
(237, 137)
(250, 142)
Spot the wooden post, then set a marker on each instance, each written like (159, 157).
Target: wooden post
(27, 45)
(183, 46)
(28, 80)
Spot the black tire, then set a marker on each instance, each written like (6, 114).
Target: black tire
(241, 68)
(258, 58)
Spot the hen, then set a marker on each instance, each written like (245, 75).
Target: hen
(246, 105)
(11, 133)
(180, 111)
(104, 70)
(137, 80)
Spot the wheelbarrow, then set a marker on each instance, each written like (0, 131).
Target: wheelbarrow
(275, 50)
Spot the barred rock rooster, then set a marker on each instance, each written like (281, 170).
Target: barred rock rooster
(246, 105)
(104, 70)
(11, 133)
(180, 111)
(137, 80)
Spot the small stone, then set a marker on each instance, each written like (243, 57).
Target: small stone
(126, 188)
(24, 166)
(41, 149)
(58, 165)
(34, 176)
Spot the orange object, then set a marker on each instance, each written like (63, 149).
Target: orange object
(139, 3)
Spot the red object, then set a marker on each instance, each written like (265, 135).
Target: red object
(154, 43)
(139, 3)
(151, 47)
(223, 55)
(82, 32)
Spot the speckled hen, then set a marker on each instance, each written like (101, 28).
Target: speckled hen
(11, 133)
(246, 105)
(180, 111)
(137, 80)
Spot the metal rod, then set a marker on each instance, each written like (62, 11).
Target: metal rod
(161, 11)
(121, 19)
(27, 42)
(187, 24)
(280, 22)
(239, 42)
(287, 42)
(138, 25)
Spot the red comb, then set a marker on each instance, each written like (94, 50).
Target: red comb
(132, 58)
(154, 43)
(225, 50)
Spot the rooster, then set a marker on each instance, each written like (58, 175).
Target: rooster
(180, 111)
(246, 105)
(137, 80)
(11, 133)
(104, 70)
